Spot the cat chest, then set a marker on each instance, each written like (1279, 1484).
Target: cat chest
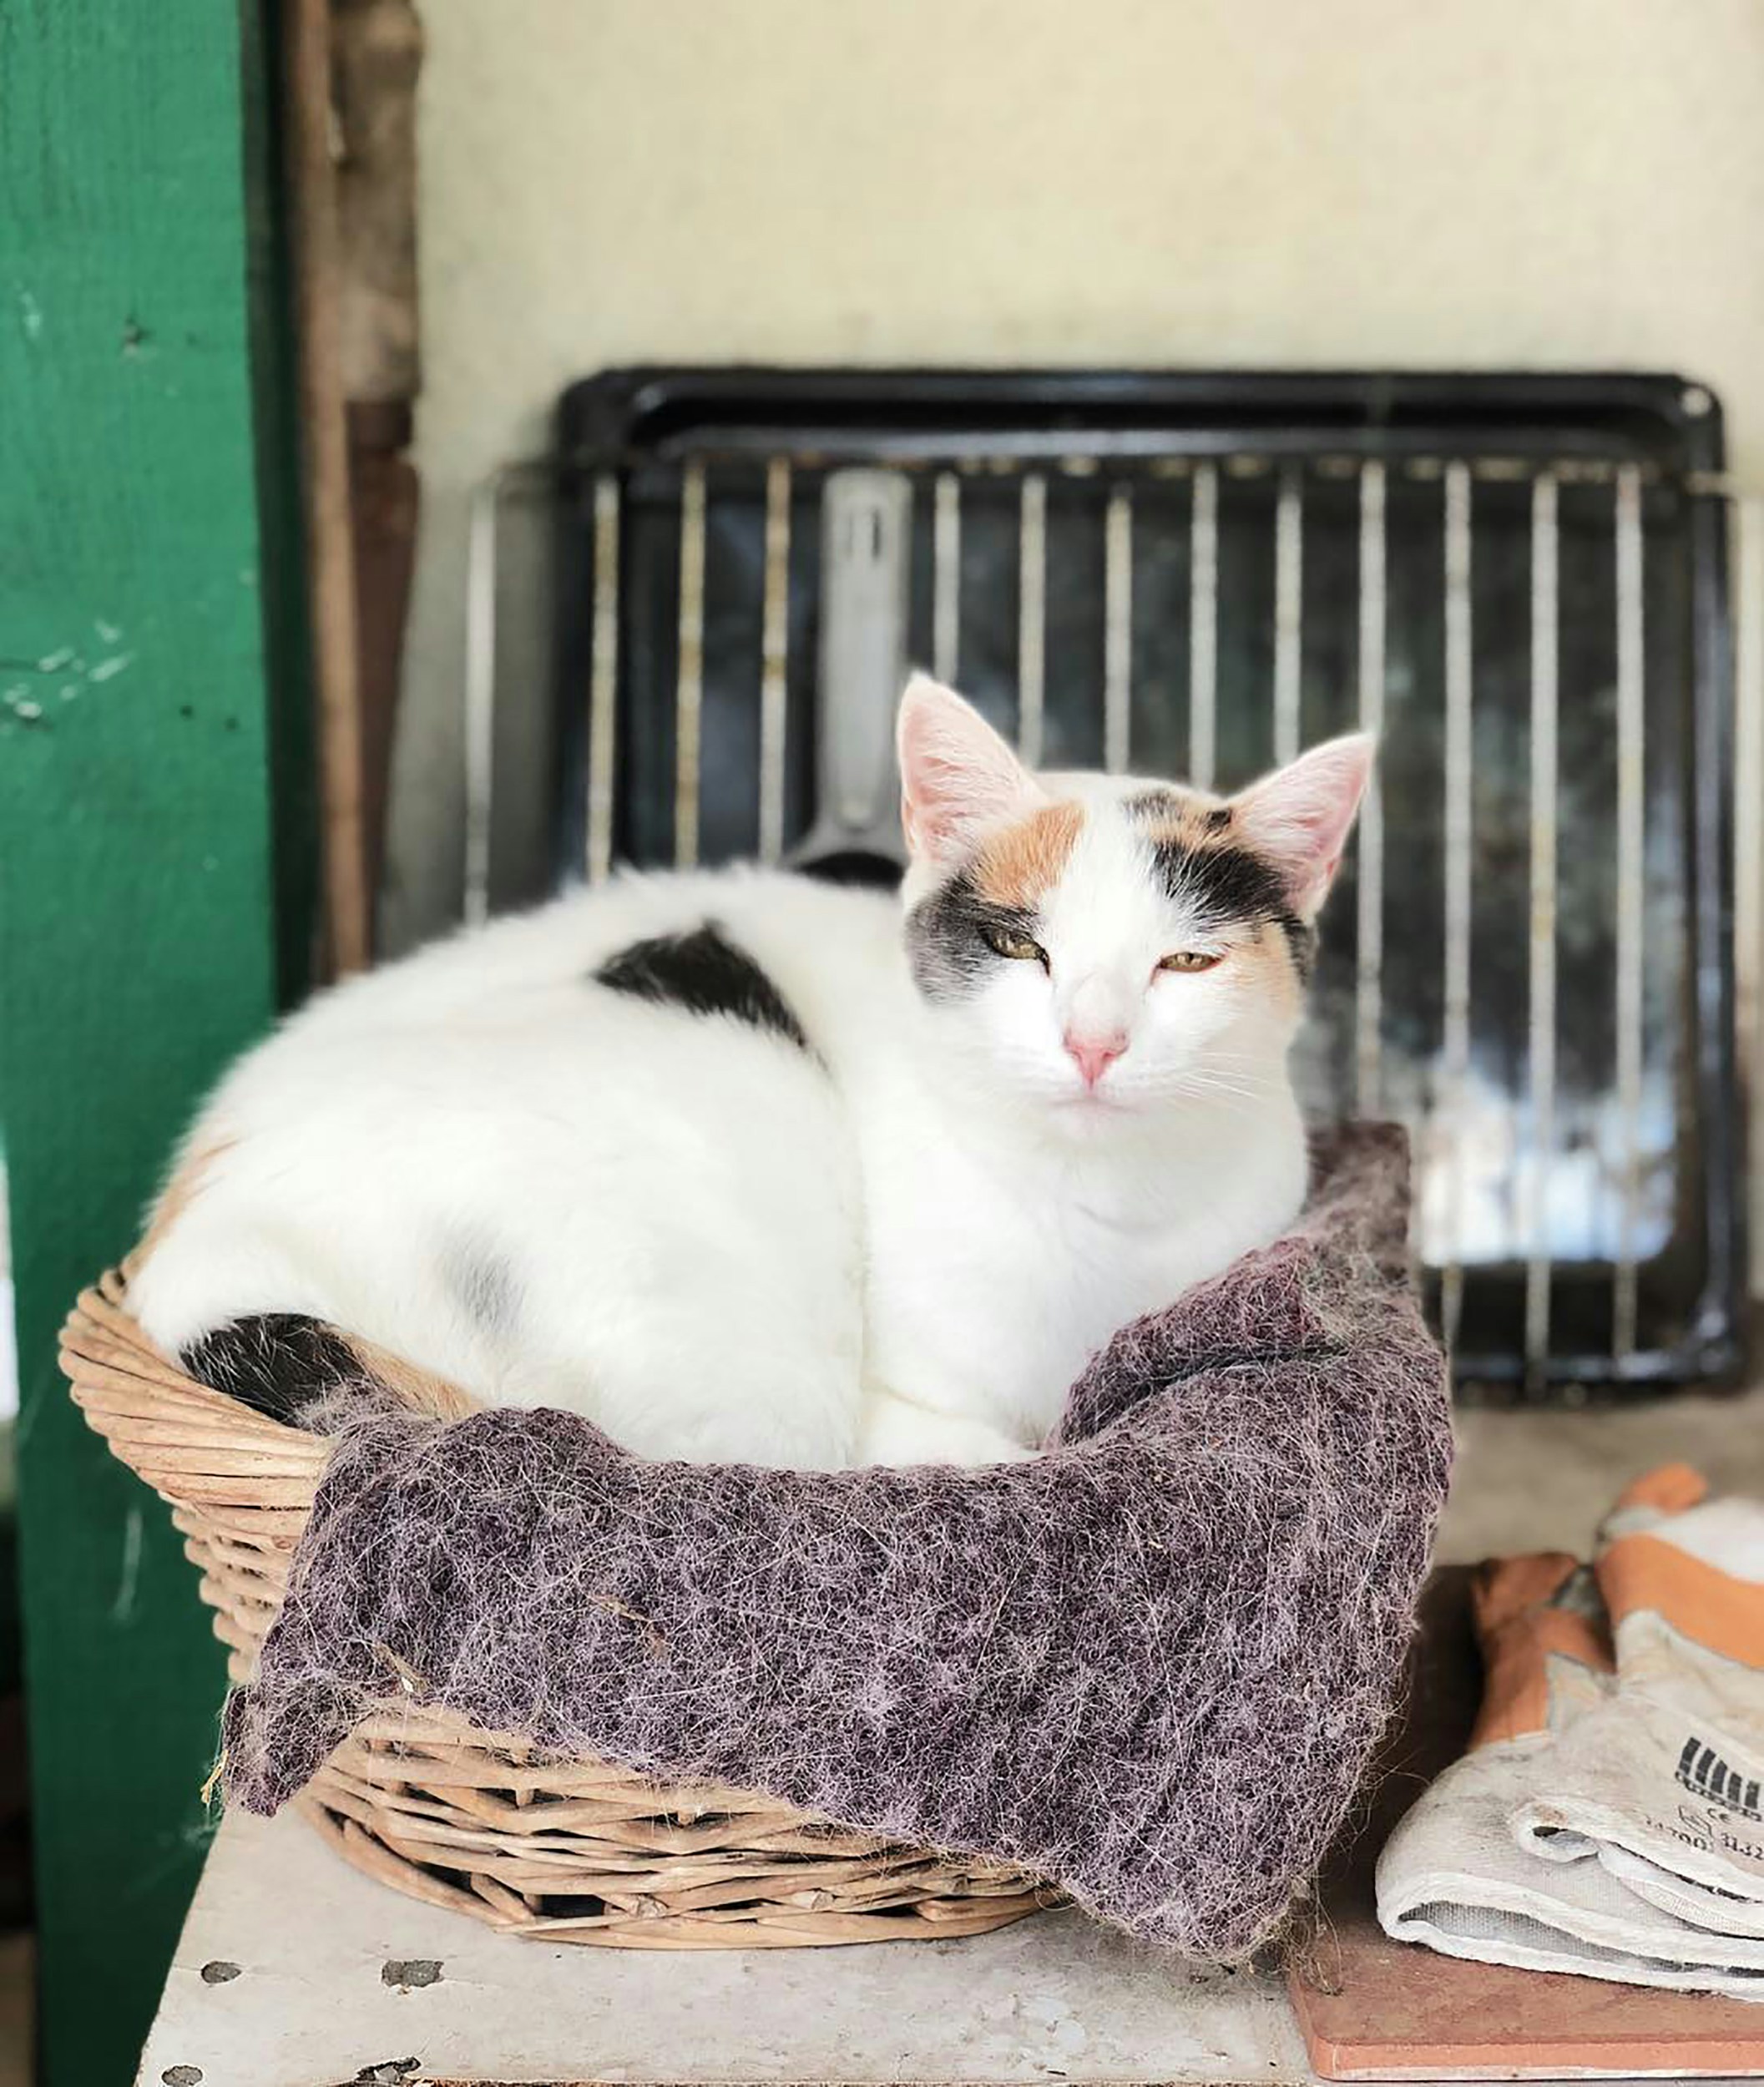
(1009, 1294)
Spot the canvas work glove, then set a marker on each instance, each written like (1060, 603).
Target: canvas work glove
(1583, 1831)
(1662, 1786)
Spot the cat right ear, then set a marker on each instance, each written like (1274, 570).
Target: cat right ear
(958, 778)
(1299, 817)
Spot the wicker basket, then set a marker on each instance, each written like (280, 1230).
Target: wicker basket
(571, 1851)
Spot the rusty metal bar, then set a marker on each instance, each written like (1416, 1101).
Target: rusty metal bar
(1544, 660)
(1748, 759)
(603, 680)
(1368, 998)
(1631, 862)
(689, 694)
(1032, 616)
(1459, 759)
(1118, 632)
(1203, 629)
(774, 659)
(1289, 613)
(480, 695)
(946, 578)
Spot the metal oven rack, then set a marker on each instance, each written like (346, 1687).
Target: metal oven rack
(1519, 581)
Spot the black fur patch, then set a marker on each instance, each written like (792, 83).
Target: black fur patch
(1228, 887)
(1165, 800)
(1301, 945)
(703, 973)
(947, 946)
(1160, 801)
(1229, 884)
(481, 1280)
(1223, 884)
(279, 1363)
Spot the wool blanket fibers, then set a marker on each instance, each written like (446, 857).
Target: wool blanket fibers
(1149, 1664)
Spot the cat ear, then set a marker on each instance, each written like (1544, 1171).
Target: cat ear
(1299, 817)
(959, 777)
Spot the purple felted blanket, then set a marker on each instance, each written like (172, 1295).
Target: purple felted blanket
(1149, 1664)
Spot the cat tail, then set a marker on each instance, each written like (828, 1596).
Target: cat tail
(295, 1369)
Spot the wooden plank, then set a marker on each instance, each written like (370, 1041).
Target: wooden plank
(297, 1971)
(136, 945)
(313, 184)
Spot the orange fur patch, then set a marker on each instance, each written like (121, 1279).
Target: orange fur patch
(1018, 867)
(1267, 961)
(1200, 824)
(414, 1387)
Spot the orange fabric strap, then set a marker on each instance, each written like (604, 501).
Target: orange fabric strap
(1519, 1632)
(1698, 1600)
(1671, 1488)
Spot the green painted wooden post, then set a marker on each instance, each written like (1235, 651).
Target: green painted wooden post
(137, 873)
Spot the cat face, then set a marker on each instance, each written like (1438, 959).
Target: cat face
(1106, 945)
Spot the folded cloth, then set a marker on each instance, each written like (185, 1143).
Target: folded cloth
(1149, 1664)
(1606, 1818)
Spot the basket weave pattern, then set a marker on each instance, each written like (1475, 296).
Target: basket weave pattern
(573, 1851)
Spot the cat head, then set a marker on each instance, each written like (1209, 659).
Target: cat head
(1107, 944)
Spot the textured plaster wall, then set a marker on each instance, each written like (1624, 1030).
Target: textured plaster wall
(1474, 182)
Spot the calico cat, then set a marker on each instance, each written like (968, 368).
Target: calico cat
(745, 1166)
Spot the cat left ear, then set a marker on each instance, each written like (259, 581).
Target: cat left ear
(958, 778)
(1299, 818)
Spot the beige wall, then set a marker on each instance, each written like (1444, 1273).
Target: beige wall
(1474, 182)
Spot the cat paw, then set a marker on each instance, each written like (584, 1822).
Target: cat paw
(893, 1430)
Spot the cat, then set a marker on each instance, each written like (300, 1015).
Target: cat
(746, 1166)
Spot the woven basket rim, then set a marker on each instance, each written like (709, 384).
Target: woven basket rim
(103, 1306)
(241, 1485)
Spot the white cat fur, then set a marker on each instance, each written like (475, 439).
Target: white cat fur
(899, 1246)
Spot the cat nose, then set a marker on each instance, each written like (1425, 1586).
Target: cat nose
(1093, 1054)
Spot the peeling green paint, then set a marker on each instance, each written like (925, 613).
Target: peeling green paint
(135, 709)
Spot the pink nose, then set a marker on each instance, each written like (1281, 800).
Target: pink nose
(1094, 1055)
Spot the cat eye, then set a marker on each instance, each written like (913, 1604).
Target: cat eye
(1191, 960)
(1004, 943)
